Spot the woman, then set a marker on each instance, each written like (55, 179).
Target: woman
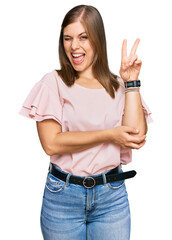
(88, 121)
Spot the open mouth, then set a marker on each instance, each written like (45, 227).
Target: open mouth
(78, 58)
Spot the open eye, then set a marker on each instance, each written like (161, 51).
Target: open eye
(83, 37)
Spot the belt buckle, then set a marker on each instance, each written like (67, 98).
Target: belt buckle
(85, 181)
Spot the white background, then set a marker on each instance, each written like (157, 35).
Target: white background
(28, 50)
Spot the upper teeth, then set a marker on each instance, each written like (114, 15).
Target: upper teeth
(77, 55)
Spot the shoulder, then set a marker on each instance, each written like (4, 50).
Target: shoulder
(121, 89)
(121, 82)
(51, 80)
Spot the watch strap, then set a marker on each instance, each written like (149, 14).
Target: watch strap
(135, 83)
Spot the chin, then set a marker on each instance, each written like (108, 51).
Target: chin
(78, 68)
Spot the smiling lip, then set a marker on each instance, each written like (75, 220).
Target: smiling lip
(78, 58)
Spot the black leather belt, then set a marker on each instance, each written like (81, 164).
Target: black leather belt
(89, 182)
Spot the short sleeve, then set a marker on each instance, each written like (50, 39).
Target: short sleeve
(43, 101)
(147, 111)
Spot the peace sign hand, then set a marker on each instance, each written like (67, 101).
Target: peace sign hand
(130, 65)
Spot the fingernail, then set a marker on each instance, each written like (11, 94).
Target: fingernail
(137, 130)
(130, 63)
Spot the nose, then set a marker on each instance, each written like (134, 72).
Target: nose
(75, 44)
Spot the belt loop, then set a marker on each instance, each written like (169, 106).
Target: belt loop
(67, 179)
(120, 167)
(50, 164)
(104, 178)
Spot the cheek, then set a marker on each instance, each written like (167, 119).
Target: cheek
(66, 47)
(90, 50)
(91, 54)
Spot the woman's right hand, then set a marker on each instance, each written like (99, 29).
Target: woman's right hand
(127, 137)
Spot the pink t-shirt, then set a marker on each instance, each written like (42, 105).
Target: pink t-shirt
(78, 108)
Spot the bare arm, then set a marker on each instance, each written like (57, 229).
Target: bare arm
(133, 113)
(129, 71)
(56, 142)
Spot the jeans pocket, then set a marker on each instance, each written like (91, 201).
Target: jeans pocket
(116, 185)
(54, 184)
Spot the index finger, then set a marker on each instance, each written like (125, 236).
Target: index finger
(138, 140)
(134, 48)
(124, 49)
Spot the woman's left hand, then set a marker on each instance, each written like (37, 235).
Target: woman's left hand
(130, 65)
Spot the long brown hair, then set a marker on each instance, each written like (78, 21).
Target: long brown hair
(92, 21)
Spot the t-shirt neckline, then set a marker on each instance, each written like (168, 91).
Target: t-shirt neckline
(75, 84)
(97, 89)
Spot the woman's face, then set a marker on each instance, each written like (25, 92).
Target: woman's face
(78, 47)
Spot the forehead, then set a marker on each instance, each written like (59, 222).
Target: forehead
(74, 29)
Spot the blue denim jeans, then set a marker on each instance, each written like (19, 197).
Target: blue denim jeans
(74, 212)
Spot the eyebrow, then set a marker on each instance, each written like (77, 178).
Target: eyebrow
(70, 36)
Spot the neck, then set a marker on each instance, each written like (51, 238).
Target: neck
(86, 75)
